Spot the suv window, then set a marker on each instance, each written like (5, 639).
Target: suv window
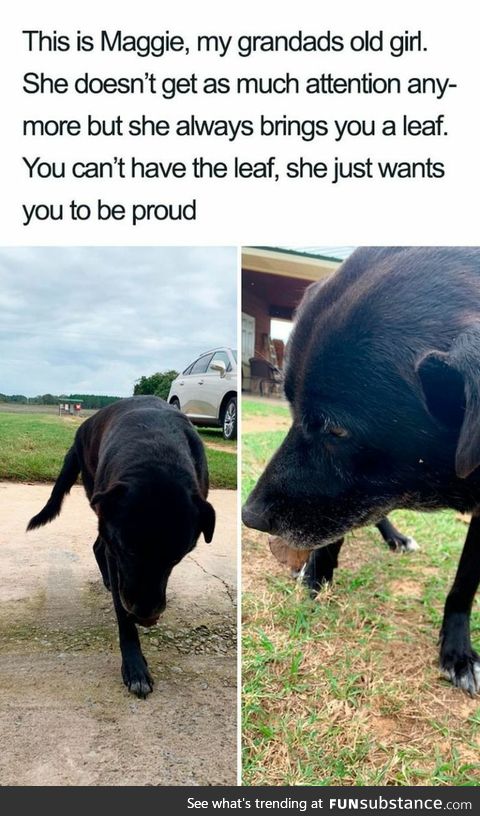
(201, 365)
(222, 357)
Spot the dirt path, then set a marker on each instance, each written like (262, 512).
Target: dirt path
(219, 447)
(260, 424)
(65, 715)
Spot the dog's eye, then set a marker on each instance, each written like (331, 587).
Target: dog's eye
(340, 433)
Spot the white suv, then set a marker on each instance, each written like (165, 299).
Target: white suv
(207, 391)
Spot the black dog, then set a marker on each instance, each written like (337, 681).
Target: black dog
(145, 473)
(384, 381)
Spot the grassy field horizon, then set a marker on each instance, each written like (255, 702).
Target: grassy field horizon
(33, 445)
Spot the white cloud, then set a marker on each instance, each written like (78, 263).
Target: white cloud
(94, 319)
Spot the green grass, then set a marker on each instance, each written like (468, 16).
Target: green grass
(254, 408)
(345, 689)
(215, 435)
(33, 445)
(257, 449)
(222, 467)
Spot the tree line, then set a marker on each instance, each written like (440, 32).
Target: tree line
(157, 384)
(88, 400)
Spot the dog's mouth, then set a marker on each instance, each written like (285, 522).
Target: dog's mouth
(296, 537)
(147, 622)
(302, 541)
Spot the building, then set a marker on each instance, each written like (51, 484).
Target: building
(72, 407)
(273, 282)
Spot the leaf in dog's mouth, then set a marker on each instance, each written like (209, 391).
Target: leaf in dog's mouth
(289, 556)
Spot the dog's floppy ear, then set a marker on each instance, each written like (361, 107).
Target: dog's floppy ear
(451, 386)
(109, 497)
(207, 520)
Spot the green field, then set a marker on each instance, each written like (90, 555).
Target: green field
(345, 689)
(251, 408)
(33, 445)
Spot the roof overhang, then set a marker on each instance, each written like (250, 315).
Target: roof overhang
(287, 263)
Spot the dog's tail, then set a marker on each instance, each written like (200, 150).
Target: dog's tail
(66, 479)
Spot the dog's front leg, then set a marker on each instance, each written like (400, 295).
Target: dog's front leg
(135, 672)
(320, 567)
(458, 660)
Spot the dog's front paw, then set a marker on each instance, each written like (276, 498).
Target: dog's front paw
(462, 668)
(136, 676)
(314, 576)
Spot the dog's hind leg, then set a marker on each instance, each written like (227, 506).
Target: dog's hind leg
(101, 557)
(394, 538)
(458, 660)
(320, 567)
(135, 672)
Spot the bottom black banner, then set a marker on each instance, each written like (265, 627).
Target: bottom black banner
(261, 800)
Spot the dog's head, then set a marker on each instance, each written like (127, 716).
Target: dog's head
(383, 379)
(149, 525)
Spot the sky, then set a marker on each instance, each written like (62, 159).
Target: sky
(281, 329)
(92, 320)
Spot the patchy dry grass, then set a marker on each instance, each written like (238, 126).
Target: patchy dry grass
(345, 689)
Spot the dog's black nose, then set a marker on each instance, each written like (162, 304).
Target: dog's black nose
(253, 517)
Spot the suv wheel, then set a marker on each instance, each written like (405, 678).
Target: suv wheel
(175, 403)
(229, 419)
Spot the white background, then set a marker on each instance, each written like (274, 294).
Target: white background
(232, 211)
